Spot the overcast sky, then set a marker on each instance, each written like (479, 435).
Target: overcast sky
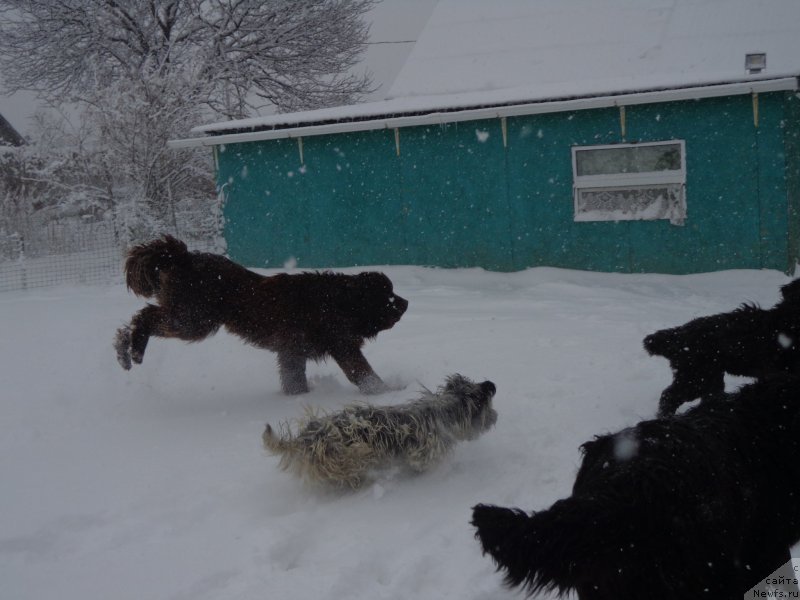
(393, 21)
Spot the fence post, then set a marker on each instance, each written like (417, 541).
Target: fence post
(24, 275)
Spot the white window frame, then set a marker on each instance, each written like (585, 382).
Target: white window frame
(628, 181)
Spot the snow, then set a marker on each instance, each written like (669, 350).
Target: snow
(552, 48)
(153, 484)
(473, 53)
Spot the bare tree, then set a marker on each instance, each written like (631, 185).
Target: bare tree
(293, 54)
(55, 176)
(145, 71)
(131, 121)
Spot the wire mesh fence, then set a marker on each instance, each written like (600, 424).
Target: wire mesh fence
(88, 252)
(43, 251)
(60, 254)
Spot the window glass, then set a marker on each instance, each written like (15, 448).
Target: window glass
(632, 204)
(630, 182)
(628, 159)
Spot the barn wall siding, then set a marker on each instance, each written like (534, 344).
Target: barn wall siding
(791, 124)
(457, 196)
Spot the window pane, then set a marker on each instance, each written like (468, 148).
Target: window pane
(630, 159)
(631, 204)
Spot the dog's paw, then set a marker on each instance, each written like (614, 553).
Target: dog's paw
(372, 384)
(295, 388)
(395, 383)
(122, 345)
(665, 411)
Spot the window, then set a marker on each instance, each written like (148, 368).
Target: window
(630, 182)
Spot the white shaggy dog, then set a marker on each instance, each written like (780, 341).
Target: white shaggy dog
(342, 448)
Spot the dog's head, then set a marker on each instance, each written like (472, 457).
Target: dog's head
(476, 399)
(791, 292)
(378, 306)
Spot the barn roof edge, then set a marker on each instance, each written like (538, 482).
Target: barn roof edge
(249, 130)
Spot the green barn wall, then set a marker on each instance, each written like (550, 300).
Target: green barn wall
(456, 196)
(791, 124)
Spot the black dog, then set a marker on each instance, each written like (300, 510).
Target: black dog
(700, 505)
(748, 341)
(301, 317)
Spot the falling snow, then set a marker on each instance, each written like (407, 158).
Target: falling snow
(152, 483)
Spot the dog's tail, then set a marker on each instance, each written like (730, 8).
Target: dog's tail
(274, 442)
(147, 262)
(292, 452)
(320, 454)
(553, 549)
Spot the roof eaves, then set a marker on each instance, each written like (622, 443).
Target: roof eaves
(476, 112)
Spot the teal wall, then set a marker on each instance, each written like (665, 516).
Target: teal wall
(457, 197)
(792, 152)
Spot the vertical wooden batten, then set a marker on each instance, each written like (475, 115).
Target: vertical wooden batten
(755, 109)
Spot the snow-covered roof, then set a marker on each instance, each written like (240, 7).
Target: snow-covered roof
(474, 54)
(537, 49)
(8, 135)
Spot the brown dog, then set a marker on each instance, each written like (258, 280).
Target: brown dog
(301, 317)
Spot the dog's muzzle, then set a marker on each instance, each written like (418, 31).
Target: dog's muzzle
(400, 305)
(488, 416)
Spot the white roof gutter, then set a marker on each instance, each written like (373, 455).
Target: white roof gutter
(515, 110)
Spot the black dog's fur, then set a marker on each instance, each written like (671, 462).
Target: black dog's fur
(748, 341)
(700, 505)
(301, 317)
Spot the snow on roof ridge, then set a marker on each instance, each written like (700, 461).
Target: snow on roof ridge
(252, 134)
(473, 53)
(446, 103)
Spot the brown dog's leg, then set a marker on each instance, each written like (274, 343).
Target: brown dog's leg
(131, 340)
(188, 325)
(356, 368)
(292, 368)
(122, 344)
(151, 320)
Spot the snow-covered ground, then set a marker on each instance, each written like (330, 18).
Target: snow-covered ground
(152, 484)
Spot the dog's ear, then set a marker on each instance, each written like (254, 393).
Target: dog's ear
(596, 446)
(586, 447)
(384, 282)
(374, 277)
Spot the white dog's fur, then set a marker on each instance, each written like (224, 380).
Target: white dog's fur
(342, 448)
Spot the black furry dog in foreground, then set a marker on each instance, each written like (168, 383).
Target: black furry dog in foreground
(699, 505)
(748, 341)
(301, 317)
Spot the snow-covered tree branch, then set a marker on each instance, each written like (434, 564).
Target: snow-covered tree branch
(236, 53)
(146, 71)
